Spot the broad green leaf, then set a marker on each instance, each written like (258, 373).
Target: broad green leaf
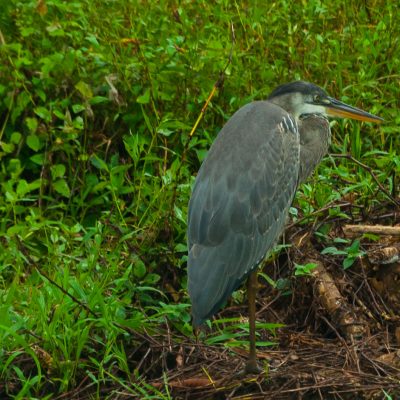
(32, 124)
(77, 108)
(57, 171)
(33, 142)
(7, 147)
(151, 279)
(15, 137)
(43, 113)
(144, 98)
(99, 163)
(22, 187)
(139, 269)
(84, 89)
(98, 100)
(61, 187)
(334, 251)
(38, 159)
(348, 262)
(301, 270)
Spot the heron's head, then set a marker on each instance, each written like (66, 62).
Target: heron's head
(303, 98)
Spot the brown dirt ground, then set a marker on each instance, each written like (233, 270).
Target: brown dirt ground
(341, 347)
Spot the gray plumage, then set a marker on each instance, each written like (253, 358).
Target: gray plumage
(245, 187)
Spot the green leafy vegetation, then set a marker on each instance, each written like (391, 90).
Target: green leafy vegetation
(351, 252)
(97, 99)
(301, 270)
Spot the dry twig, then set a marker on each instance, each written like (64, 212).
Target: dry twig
(354, 230)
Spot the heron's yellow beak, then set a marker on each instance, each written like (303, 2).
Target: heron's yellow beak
(337, 108)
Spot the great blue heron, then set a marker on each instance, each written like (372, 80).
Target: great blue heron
(245, 187)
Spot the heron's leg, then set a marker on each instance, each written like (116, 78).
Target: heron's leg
(251, 365)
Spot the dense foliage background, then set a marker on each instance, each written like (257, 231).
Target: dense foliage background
(97, 99)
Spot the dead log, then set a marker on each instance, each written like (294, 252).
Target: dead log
(335, 305)
(385, 255)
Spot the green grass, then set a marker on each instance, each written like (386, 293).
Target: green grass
(97, 99)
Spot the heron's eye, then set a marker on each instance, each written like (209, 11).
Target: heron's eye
(317, 98)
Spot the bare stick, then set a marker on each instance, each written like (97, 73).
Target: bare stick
(351, 230)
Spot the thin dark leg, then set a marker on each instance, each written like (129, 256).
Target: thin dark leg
(251, 365)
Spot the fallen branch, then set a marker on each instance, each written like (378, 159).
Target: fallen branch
(385, 255)
(196, 382)
(335, 304)
(353, 230)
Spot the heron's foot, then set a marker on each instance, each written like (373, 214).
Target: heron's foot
(252, 368)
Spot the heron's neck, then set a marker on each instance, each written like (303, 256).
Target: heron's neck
(315, 137)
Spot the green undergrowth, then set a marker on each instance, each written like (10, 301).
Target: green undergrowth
(97, 99)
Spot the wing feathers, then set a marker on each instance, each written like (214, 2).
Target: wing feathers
(239, 203)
